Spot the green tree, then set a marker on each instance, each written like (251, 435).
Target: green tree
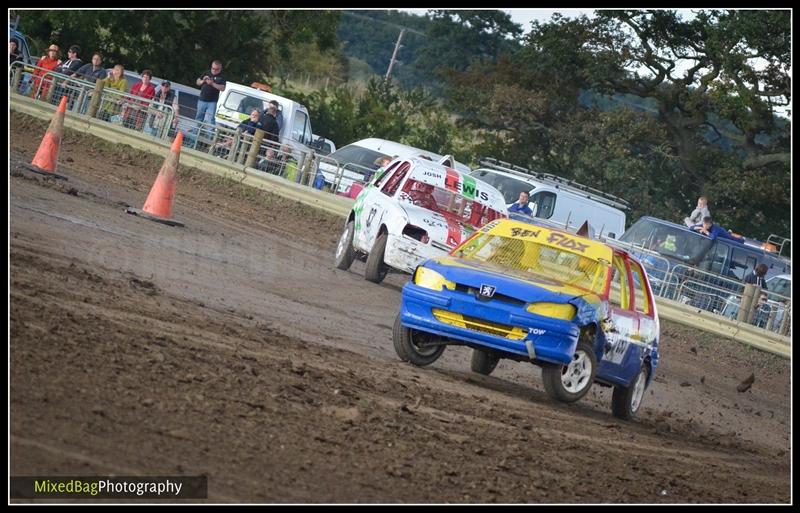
(178, 44)
(712, 81)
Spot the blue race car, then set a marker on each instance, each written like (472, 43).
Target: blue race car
(580, 309)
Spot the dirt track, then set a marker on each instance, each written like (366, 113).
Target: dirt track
(232, 348)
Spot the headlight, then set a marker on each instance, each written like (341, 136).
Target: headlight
(430, 279)
(554, 310)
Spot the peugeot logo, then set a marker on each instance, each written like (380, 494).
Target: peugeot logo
(487, 291)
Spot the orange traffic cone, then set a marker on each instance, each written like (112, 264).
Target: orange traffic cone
(158, 206)
(46, 159)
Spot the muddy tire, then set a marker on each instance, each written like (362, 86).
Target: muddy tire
(483, 362)
(345, 254)
(568, 383)
(626, 401)
(404, 345)
(376, 269)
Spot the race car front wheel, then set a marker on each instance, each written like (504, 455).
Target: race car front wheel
(568, 383)
(483, 362)
(377, 270)
(625, 401)
(414, 346)
(344, 250)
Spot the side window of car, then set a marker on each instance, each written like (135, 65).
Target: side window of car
(641, 301)
(781, 286)
(545, 202)
(393, 183)
(618, 294)
(741, 262)
(382, 178)
(715, 258)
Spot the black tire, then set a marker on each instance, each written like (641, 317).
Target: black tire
(408, 351)
(376, 269)
(626, 401)
(483, 362)
(579, 375)
(345, 254)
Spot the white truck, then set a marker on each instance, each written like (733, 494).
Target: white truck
(416, 209)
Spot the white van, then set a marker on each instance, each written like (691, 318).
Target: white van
(361, 159)
(555, 198)
(237, 101)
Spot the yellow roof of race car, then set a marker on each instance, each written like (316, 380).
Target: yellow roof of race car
(554, 238)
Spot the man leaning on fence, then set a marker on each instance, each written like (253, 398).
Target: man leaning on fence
(165, 98)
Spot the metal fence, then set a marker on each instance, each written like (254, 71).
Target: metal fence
(708, 291)
(297, 164)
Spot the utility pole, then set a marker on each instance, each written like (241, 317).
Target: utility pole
(394, 54)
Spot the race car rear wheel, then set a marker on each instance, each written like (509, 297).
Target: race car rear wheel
(483, 362)
(344, 250)
(626, 401)
(376, 269)
(568, 383)
(410, 345)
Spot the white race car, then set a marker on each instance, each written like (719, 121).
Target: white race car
(415, 210)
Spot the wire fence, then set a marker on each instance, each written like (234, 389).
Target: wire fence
(709, 291)
(147, 116)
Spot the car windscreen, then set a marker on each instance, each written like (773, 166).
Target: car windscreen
(447, 203)
(528, 259)
(509, 187)
(669, 241)
(358, 155)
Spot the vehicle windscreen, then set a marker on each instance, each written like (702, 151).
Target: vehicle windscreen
(358, 155)
(509, 187)
(447, 203)
(668, 241)
(528, 259)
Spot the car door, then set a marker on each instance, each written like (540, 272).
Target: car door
(645, 339)
(371, 205)
(621, 325)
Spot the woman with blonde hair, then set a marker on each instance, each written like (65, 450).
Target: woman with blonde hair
(112, 102)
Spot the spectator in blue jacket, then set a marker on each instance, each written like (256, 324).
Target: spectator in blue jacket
(708, 228)
(521, 205)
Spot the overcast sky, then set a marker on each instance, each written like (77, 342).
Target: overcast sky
(525, 16)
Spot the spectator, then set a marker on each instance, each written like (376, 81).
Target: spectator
(73, 62)
(47, 63)
(112, 102)
(92, 71)
(708, 228)
(165, 97)
(68, 67)
(270, 123)
(13, 51)
(756, 276)
(249, 126)
(134, 113)
(211, 83)
(762, 311)
(699, 213)
(377, 166)
(521, 204)
(278, 115)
